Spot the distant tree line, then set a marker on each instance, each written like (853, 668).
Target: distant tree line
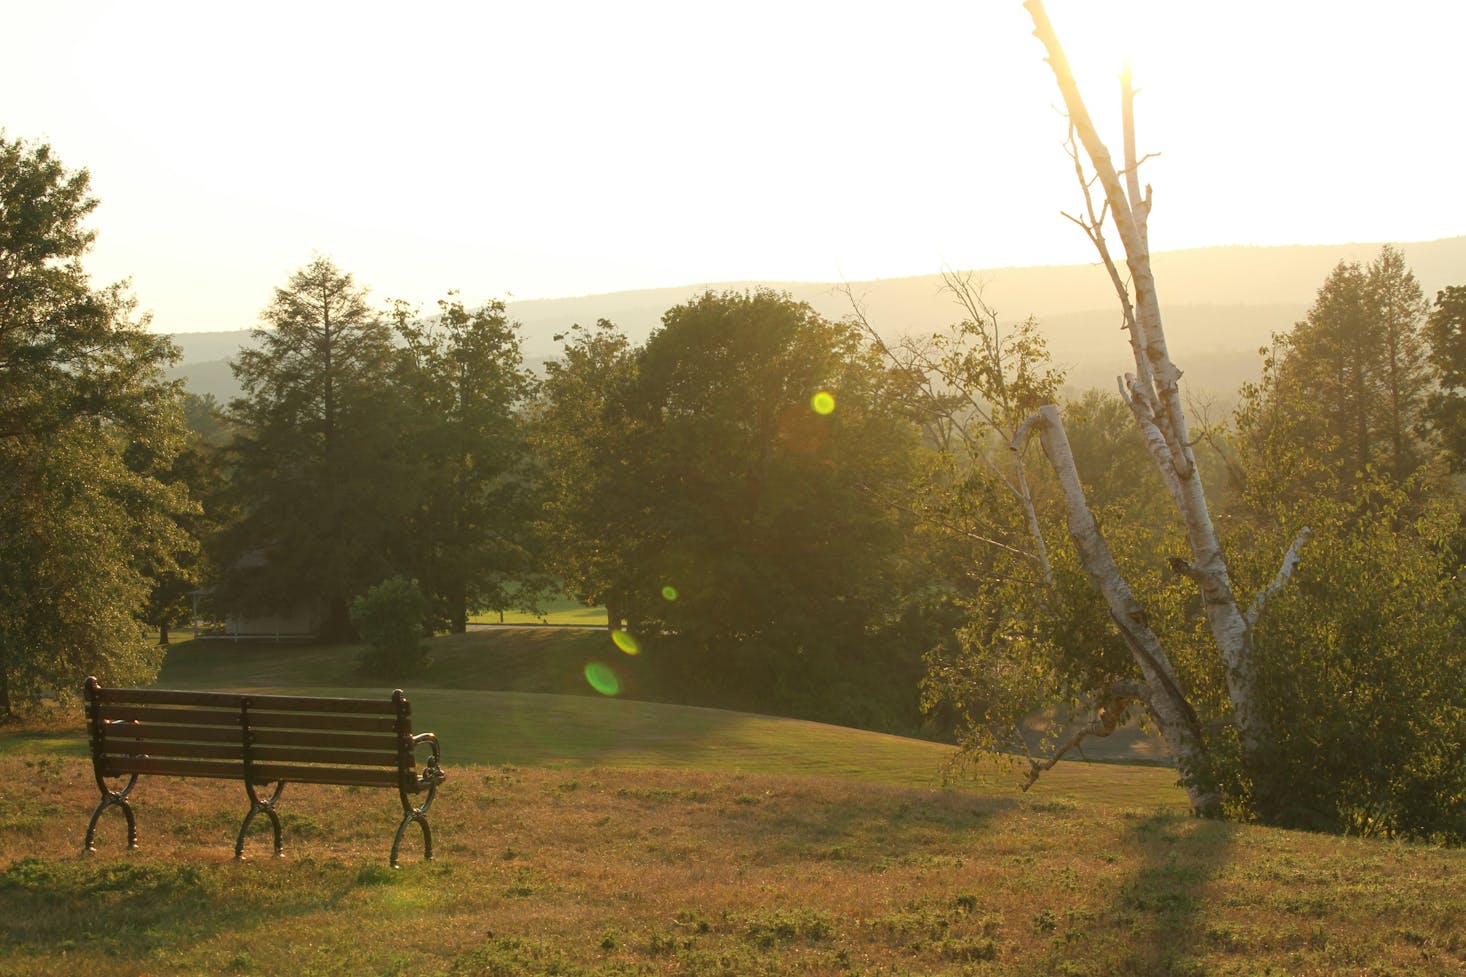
(779, 511)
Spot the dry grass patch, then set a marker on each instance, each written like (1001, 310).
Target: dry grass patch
(615, 872)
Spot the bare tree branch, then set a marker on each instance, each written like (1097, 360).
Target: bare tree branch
(1290, 564)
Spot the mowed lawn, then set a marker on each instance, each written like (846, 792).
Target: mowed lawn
(580, 835)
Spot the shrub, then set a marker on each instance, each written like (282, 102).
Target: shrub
(389, 618)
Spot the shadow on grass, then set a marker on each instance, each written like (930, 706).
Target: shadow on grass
(1155, 923)
(129, 907)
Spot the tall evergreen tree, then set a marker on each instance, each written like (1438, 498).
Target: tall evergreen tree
(1350, 382)
(1446, 407)
(318, 473)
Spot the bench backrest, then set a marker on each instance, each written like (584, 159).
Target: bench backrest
(259, 738)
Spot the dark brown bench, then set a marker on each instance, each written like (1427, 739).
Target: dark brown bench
(258, 740)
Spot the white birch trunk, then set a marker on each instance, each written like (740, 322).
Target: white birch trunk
(1164, 700)
(1154, 397)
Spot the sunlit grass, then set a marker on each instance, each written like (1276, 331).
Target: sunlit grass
(585, 835)
(602, 871)
(563, 612)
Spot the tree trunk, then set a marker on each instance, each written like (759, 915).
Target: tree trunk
(337, 625)
(1162, 695)
(457, 607)
(163, 633)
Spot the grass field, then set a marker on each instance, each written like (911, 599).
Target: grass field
(580, 835)
(564, 612)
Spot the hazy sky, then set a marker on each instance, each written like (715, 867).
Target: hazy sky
(540, 149)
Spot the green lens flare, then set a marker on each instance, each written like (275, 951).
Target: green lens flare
(602, 679)
(626, 642)
(823, 402)
(669, 592)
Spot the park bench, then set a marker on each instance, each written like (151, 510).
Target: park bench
(258, 740)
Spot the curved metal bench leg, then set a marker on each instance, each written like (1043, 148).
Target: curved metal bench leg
(414, 815)
(112, 798)
(419, 815)
(267, 808)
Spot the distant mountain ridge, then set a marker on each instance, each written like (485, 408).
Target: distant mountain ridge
(1220, 305)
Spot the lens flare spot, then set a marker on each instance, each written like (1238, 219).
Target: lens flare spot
(602, 679)
(823, 402)
(669, 592)
(626, 642)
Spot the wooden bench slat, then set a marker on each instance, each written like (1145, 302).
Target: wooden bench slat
(116, 737)
(123, 766)
(340, 776)
(344, 741)
(297, 703)
(125, 748)
(122, 733)
(264, 773)
(262, 701)
(203, 751)
(345, 723)
(264, 754)
(117, 712)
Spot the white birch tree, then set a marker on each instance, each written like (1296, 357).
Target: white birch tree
(1153, 394)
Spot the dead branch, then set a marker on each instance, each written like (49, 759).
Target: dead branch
(1118, 698)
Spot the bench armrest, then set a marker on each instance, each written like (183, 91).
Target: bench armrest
(432, 773)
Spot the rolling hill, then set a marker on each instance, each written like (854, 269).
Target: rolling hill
(1221, 304)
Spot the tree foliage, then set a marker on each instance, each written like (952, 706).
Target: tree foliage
(589, 494)
(1445, 412)
(89, 428)
(318, 472)
(462, 377)
(734, 471)
(1363, 677)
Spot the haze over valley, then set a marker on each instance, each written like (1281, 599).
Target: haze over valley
(1221, 304)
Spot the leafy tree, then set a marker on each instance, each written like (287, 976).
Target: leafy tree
(319, 476)
(197, 469)
(1360, 679)
(88, 429)
(463, 376)
(1363, 677)
(205, 419)
(590, 496)
(740, 463)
